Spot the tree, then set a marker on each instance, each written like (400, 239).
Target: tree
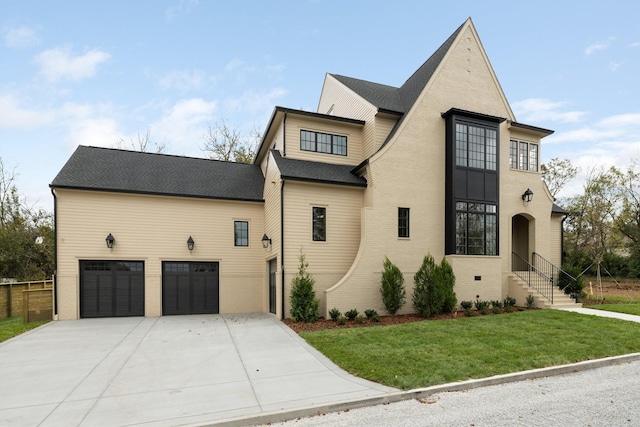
(222, 142)
(392, 289)
(557, 173)
(304, 305)
(142, 143)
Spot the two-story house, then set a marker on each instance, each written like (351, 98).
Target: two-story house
(438, 165)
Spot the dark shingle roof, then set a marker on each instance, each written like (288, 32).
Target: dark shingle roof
(303, 170)
(557, 209)
(106, 169)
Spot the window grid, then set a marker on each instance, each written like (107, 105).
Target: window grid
(513, 154)
(403, 222)
(319, 224)
(241, 233)
(323, 143)
(533, 157)
(476, 229)
(476, 147)
(524, 155)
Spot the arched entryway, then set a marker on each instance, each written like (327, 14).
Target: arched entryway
(522, 236)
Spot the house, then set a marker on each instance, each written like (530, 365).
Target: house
(438, 165)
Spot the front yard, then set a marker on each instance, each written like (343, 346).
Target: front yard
(12, 326)
(430, 352)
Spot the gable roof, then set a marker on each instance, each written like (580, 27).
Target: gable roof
(327, 173)
(108, 169)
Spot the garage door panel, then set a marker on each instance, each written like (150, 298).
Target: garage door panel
(190, 288)
(111, 288)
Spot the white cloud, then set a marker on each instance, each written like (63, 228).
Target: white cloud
(184, 79)
(90, 124)
(14, 116)
(254, 101)
(58, 64)
(21, 37)
(613, 66)
(183, 7)
(601, 45)
(636, 44)
(539, 110)
(183, 125)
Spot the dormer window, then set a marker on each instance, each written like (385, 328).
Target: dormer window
(323, 142)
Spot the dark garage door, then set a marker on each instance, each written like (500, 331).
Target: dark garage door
(111, 288)
(190, 288)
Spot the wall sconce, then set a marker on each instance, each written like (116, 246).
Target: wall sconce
(110, 241)
(527, 196)
(190, 243)
(266, 241)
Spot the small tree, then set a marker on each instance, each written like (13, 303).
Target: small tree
(393, 292)
(448, 282)
(424, 295)
(304, 305)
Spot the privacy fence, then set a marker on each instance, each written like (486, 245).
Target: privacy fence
(32, 300)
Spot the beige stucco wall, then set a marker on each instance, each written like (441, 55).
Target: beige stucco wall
(155, 229)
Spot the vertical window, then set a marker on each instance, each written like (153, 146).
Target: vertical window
(307, 141)
(319, 224)
(241, 232)
(533, 157)
(476, 229)
(524, 155)
(476, 147)
(524, 160)
(323, 142)
(403, 222)
(513, 154)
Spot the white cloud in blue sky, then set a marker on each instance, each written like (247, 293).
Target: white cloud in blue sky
(95, 73)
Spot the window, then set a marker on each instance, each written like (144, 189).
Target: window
(403, 222)
(319, 224)
(323, 143)
(523, 155)
(476, 146)
(241, 233)
(476, 229)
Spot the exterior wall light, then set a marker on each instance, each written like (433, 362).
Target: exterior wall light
(190, 243)
(527, 196)
(266, 241)
(110, 241)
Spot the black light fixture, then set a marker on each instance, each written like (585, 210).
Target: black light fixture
(527, 196)
(110, 241)
(266, 241)
(190, 243)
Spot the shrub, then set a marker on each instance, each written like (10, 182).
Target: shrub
(351, 314)
(341, 320)
(482, 306)
(509, 303)
(304, 305)
(433, 291)
(334, 313)
(568, 285)
(467, 306)
(370, 313)
(392, 289)
(496, 307)
(530, 301)
(375, 318)
(360, 320)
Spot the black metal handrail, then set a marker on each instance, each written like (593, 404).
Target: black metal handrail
(558, 275)
(535, 278)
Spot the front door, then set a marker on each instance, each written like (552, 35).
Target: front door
(273, 267)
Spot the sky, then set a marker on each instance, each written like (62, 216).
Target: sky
(99, 73)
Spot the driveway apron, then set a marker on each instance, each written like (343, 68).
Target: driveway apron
(166, 371)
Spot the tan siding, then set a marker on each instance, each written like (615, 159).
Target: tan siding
(330, 260)
(383, 126)
(272, 190)
(297, 123)
(555, 240)
(155, 229)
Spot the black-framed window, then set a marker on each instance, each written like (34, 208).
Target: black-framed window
(323, 142)
(476, 228)
(524, 155)
(403, 222)
(241, 233)
(319, 224)
(476, 146)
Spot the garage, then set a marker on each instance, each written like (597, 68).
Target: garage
(111, 288)
(190, 288)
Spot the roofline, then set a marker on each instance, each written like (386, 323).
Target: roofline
(324, 181)
(362, 164)
(392, 112)
(152, 193)
(542, 131)
(472, 114)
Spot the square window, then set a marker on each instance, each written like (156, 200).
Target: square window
(403, 222)
(241, 233)
(319, 224)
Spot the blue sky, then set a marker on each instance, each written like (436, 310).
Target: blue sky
(93, 73)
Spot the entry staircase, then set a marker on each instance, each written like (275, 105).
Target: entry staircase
(539, 278)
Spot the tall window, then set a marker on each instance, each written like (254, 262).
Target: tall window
(323, 142)
(524, 155)
(403, 222)
(476, 228)
(241, 232)
(319, 224)
(476, 147)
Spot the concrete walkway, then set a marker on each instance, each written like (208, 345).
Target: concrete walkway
(166, 371)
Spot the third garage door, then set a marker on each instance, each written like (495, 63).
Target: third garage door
(190, 288)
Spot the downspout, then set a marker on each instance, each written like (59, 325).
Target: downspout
(55, 254)
(284, 135)
(562, 241)
(282, 244)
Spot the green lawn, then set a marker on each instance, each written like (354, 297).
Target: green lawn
(13, 326)
(620, 308)
(434, 352)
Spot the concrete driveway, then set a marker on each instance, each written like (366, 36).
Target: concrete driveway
(166, 371)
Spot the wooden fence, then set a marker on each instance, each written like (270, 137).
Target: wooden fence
(33, 300)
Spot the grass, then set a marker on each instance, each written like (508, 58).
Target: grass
(12, 326)
(433, 352)
(628, 308)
